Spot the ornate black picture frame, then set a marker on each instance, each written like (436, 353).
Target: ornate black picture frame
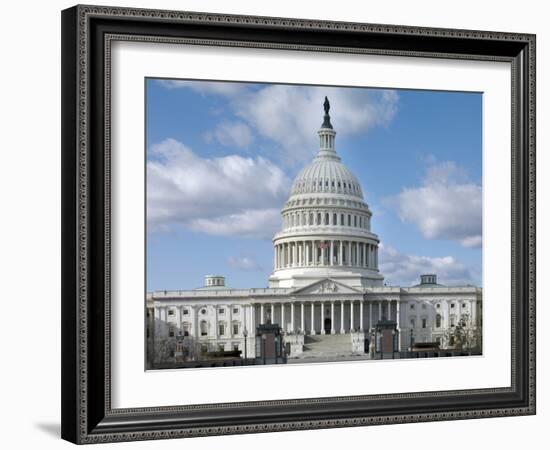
(87, 34)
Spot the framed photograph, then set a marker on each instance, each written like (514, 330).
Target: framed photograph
(281, 224)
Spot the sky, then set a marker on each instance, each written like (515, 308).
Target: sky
(221, 157)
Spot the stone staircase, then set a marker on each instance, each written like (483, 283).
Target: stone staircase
(329, 346)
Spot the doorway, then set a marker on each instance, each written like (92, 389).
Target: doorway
(327, 325)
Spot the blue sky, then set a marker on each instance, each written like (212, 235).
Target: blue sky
(221, 158)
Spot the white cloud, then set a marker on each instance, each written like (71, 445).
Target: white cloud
(291, 115)
(229, 195)
(231, 134)
(446, 206)
(205, 88)
(244, 263)
(251, 223)
(404, 270)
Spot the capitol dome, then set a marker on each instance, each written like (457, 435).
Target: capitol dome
(326, 224)
(326, 174)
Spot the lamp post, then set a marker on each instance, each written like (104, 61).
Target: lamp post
(264, 337)
(245, 334)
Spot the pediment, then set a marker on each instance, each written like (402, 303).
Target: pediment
(327, 286)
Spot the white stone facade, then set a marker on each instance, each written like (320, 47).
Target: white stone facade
(325, 282)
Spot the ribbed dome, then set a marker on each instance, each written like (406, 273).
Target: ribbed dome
(326, 174)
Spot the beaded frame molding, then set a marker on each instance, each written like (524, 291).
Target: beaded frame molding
(87, 35)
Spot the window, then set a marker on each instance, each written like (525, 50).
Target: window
(354, 221)
(423, 305)
(452, 305)
(341, 219)
(349, 220)
(332, 183)
(412, 305)
(185, 312)
(438, 321)
(335, 219)
(170, 312)
(221, 311)
(318, 218)
(221, 329)
(326, 218)
(221, 347)
(235, 310)
(171, 331)
(452, 321)
(235, 328)
(438, 306)
(464, 305)
(235, 347)
(204, 328)
(413, 323)
(424, 323)
(203, 311)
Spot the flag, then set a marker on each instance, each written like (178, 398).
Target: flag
(323, 244)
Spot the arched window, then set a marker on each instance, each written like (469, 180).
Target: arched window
(204, 328)
(355, 221)
(349, 220)
(326, 218)
(334, 219)
(424, 322)
(318, 218)
(341, 219)
(438, 321)
(310, 218)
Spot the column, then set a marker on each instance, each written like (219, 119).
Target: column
(283, 317)
(230, 320)
(323, 253)
(312, 318)
(331, 262)
(473, 312)
(302, 325)
(364, 255)
(292, 317)
(332, 318)
(357, 259)
(349, 253)
(370, 315)
(361, 315)
(379, 310)
(397, 310)
(262, 320)
(351, 321)
(275, 258)
(180, 319)
(389, 309)
(294, 252)
(342, 317)
(273, 313)
(216, 321)
(307, 253)
(341, 254)
(322, 318)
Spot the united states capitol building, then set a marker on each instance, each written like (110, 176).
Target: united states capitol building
(326, 293)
